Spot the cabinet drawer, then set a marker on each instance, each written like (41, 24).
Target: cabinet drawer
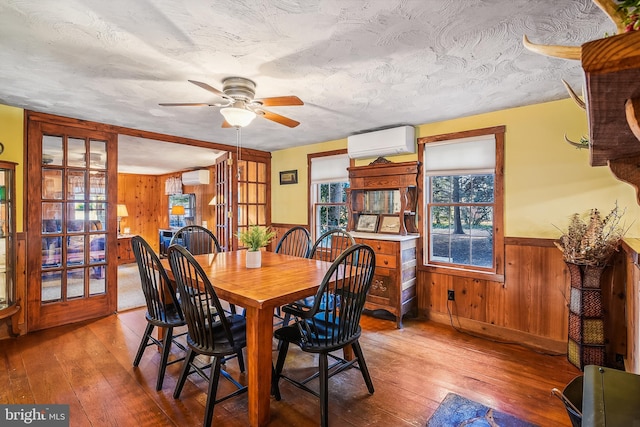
(388, 261)
(380, 246)
(384, 283)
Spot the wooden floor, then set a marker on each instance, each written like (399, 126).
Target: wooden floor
(88, 366)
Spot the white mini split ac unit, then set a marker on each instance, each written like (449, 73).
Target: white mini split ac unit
(398, 140)
(198, 177)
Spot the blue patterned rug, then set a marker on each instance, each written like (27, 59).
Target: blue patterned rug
(457, 411)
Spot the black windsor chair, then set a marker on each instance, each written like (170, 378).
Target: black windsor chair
(326, 248)
(197, 239)
(209, 334)
(332, 323)
(163, 309)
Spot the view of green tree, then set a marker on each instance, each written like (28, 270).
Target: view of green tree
(331, 209)
(455, 191)
(461, 215)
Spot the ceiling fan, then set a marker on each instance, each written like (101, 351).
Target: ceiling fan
(239, 106)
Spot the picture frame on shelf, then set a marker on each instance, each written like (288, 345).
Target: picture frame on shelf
(367, 223)
(289, 177)
(389, 224)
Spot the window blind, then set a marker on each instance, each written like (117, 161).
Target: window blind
(329, 169)
(461, 156)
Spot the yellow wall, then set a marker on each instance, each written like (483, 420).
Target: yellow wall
(12, 137)
(546, 179)
(289, 202)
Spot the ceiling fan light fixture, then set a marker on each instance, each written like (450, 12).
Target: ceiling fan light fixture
(237, 117)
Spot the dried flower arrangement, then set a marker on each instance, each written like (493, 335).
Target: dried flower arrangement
(630, 10)
(594, 240)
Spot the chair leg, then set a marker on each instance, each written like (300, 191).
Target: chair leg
(184, 373)
(286, 319)
(275, 389)
(357, 350)
(143, 344)
(283, 347)
(214, 378)
(324, 389)
(240, 360)
(166, 348)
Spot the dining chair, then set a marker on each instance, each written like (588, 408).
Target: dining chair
(332, 323)
(197, 239)
(208, 334)
(296, 241)
(327, 247)
(330, 244)
(163, 309)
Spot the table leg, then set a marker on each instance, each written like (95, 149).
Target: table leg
(259, 341)
(347, 353)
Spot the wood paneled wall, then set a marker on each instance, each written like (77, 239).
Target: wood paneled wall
(143, 196)
(531, 306)
(632, 305)
(148, 205)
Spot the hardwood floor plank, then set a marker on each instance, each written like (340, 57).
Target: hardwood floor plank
(89, 366)
(19, 389)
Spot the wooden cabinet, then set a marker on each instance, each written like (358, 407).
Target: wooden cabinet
(125, 251)
(386, 191)
(394, 283)
(9, 305)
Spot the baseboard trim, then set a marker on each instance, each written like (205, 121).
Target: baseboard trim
(499, 333)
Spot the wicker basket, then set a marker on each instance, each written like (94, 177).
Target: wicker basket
(586, 344)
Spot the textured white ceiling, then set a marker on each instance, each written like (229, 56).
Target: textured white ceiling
(357, 65)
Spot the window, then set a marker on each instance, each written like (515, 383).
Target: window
(180, 218)
(329, 181)
(463, 200)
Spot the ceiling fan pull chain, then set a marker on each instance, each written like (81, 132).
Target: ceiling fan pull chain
(238, 148)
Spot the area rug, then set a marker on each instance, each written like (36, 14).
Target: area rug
(129, 289)
(457, 411)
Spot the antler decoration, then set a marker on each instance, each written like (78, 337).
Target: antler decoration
(584, 141)
(575, 52)
(574, 95)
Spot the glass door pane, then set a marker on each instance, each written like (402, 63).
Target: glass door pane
(252, 194)
(73, 240)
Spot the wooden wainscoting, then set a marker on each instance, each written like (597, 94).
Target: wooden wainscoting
(632, 307)
(280, 229)
(530, 307)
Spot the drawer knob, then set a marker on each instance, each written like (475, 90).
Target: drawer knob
(379, 247)
(386, 261)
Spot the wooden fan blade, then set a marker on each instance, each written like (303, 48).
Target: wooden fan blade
(225, 124)
(280, 101)
(183, 104)
(209, 88)
(278, 118)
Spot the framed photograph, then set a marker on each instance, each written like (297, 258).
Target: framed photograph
(368, 223)
(390, 224)
(289, 177)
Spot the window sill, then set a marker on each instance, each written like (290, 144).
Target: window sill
(471, 274)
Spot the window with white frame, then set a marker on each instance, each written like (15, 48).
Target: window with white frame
(329, 180)
(463, 201)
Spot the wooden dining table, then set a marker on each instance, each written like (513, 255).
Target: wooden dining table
(281, 279)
